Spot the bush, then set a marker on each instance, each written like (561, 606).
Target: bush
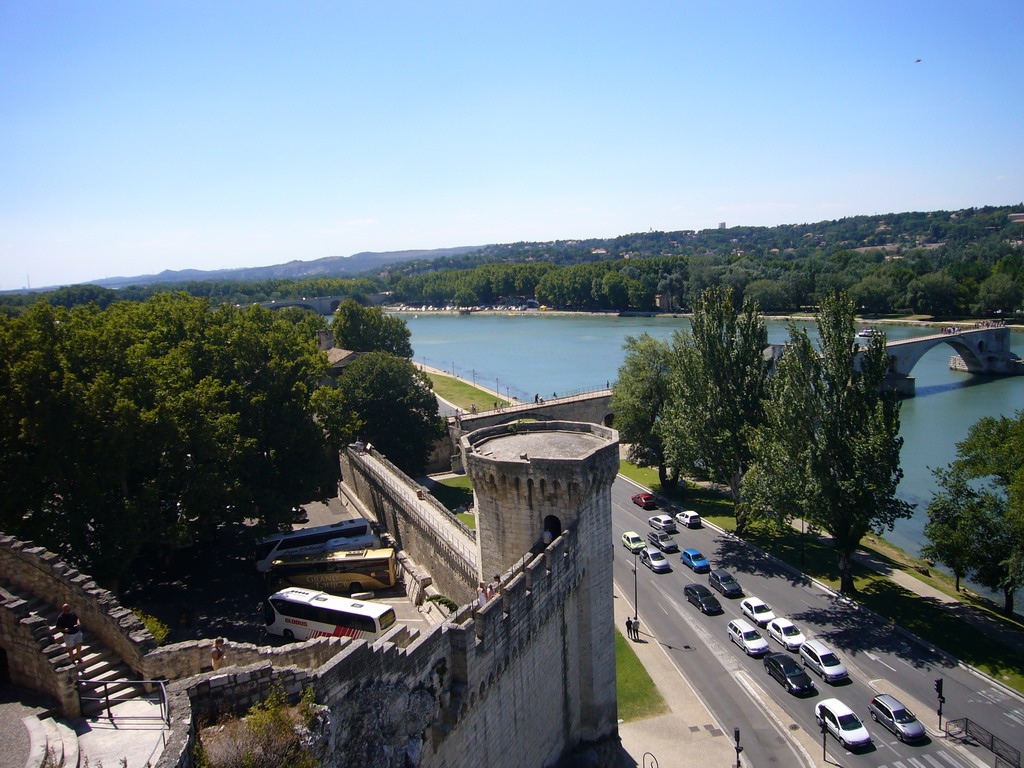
(156, 628)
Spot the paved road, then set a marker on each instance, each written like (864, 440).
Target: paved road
(740, 693)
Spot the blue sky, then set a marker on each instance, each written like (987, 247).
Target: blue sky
(142, 136)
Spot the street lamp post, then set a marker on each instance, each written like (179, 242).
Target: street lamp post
(824, 738)
(636, 607)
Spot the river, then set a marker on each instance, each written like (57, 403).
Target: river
(537, 353)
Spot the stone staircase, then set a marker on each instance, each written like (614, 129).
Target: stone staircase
(103, 672)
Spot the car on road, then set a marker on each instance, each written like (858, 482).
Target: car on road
(688, 519)
(757, 610)
(662, 523)
(747, 638)
(631, 540)
(695, 561)
(785, 633)
(890, 712)
(839, 720)
(788, 673)
(654, 560)
(645, 501)
(662, 541)
(701, 596)
(819, 658)
(724, 582)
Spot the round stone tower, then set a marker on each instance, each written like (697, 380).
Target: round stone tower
(533, 480)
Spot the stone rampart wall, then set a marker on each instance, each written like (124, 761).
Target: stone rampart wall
(420, 525)
(498, 686)
(34, 659)
(45, 575)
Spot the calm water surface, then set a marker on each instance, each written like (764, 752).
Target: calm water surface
(544, 354)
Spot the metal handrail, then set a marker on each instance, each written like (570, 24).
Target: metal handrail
(105, 685)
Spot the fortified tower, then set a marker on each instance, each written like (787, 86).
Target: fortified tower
(532, 481)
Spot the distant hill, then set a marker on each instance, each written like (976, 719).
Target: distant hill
(296, 270)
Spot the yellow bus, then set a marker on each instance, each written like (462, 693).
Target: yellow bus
(342, 571)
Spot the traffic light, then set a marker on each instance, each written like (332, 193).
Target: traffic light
(938, 687)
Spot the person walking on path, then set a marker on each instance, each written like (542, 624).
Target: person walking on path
(636, 629)
(69, 624)
(629, 628)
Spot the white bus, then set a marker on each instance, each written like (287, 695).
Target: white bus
(347, 534)
(299, 614)
(346, 571)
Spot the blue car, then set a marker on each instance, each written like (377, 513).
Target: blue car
(695, 561)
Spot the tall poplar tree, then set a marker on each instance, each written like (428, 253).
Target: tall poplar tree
(829, 450)
(718, 385)
(638, 401)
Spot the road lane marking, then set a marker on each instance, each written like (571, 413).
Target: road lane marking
(876, 658)
(769, 706)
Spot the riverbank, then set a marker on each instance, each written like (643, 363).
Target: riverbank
(920, 321)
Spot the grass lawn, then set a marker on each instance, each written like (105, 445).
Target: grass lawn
(463, 395)
(638, 698)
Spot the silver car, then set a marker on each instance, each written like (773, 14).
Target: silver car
(817, 656)
(655, 560)
(890, 712)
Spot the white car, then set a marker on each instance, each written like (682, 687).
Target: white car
(688, 519)
(747, 638)
(757, 610)
(662, 523)
(842, 723)
(784, 632)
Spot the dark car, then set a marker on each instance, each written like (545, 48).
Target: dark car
(662, 541)
(299, 515)
(645, 501)
(725, 583)
(789, 674)
(701, 597)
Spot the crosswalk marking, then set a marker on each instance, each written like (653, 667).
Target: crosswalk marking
(994, 695)
(926, 760)
(1017, 715)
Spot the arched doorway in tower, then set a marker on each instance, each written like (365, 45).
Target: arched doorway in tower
(552, 529)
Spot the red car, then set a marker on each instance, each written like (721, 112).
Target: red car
(645, 501)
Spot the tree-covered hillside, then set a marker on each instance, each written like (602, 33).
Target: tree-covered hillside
(942, 263)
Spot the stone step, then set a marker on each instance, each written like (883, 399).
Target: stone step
(61, 740)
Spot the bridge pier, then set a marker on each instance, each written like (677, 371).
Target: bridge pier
(903, 386)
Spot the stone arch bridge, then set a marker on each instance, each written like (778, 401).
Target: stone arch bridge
(977, 350)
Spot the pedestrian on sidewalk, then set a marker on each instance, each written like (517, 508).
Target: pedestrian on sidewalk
(629, 628)
(636, 629)
(69, 624)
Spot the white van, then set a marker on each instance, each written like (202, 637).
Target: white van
(347, 534)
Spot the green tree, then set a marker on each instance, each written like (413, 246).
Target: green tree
(990, 462)
(829, 449)
(956, 515)
(718, 386)
(934, 294)
(391, 404)
(146, 424)
(368, 329)
(638, 401)
(999, 293)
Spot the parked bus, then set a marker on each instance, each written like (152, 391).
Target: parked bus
(299, 614)
(347, 534)
(345, 571)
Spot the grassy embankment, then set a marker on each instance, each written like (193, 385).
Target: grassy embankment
(464, 395)
(922, 616)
